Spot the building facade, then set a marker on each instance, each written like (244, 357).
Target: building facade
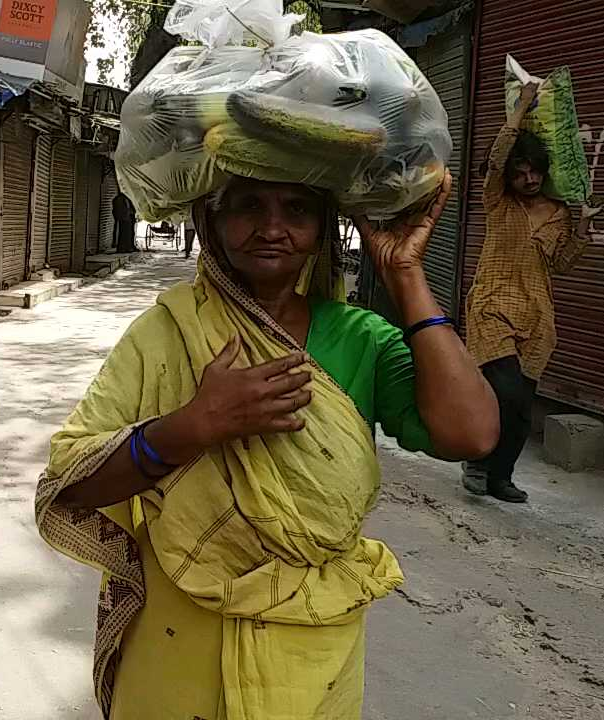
(57, 179)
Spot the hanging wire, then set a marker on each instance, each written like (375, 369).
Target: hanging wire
(145, 2)
(268, 43)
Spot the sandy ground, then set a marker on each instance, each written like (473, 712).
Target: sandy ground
(502, 615)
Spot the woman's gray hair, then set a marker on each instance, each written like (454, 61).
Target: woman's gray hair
(216, 198)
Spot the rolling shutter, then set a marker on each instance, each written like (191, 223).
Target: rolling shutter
(95, 175)
(41, 203)
(80, 195)
(109, 189)
(444, 60)
(61, 205)
(17, 152)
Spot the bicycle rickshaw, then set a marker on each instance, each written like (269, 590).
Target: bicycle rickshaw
(165, 233)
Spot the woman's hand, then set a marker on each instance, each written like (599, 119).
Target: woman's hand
(229, 404)
(401, 246)
(236, 404)
(455, 402)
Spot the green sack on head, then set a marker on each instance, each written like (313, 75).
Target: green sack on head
(553, 119)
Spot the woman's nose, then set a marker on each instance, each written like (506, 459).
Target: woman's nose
(272, 226)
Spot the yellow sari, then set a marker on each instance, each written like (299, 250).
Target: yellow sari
(249, 558)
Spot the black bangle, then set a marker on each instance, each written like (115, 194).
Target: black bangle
(423, 324)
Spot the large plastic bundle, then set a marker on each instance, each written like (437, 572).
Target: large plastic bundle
(553, 119)
(347, 112)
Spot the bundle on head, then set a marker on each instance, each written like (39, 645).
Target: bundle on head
(350, 113)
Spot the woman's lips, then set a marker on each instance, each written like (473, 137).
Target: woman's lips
(268, 252)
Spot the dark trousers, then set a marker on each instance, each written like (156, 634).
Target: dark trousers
(189, 238)
(515, 393)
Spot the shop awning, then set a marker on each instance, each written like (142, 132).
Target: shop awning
(110, 122)
(12, 86)
(418, 34)
(402, 11)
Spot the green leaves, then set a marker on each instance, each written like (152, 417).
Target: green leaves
(134, 19)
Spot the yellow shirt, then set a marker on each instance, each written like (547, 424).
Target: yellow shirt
(510, 307)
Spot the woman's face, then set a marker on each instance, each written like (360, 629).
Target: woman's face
(268, 230)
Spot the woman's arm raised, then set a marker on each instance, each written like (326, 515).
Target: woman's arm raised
(455, 402)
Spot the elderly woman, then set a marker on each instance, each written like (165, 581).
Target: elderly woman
(220, 466)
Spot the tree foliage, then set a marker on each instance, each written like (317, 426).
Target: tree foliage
(135, 18)
(311, 11)
(105, 67)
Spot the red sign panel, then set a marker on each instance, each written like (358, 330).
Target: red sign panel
(25, 29)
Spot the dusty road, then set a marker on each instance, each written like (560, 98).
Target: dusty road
(502, 615)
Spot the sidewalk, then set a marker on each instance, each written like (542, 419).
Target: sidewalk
(48, 356)
(30, 293)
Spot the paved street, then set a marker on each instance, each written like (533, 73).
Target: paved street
(502, 614)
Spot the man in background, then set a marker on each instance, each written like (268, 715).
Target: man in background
(189, 237)
(510, 310)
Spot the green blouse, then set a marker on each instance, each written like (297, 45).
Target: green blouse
(368, 359)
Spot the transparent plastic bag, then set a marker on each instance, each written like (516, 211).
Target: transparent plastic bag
(215, 23)
(553, 119)
(348, 112)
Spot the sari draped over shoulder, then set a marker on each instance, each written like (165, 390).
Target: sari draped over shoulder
(262, 531)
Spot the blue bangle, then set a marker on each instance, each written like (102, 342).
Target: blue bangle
(135, 457)
(134, 440)
(423, 324)
(148, 451)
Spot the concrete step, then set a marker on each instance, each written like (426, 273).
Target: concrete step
(30, 293)
(108, 261)
(45, 274)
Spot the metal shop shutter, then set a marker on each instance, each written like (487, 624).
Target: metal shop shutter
(80, 196)
(95, 178)
(109, 189)
(61, 205)
(445, 62)
(17, 151)
(40, 203)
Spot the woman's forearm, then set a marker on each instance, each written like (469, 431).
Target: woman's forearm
(456, 403)
(120, 479)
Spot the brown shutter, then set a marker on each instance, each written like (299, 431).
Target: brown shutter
(17, 151)
(40, 202)
(61, 205)
(543, 34)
